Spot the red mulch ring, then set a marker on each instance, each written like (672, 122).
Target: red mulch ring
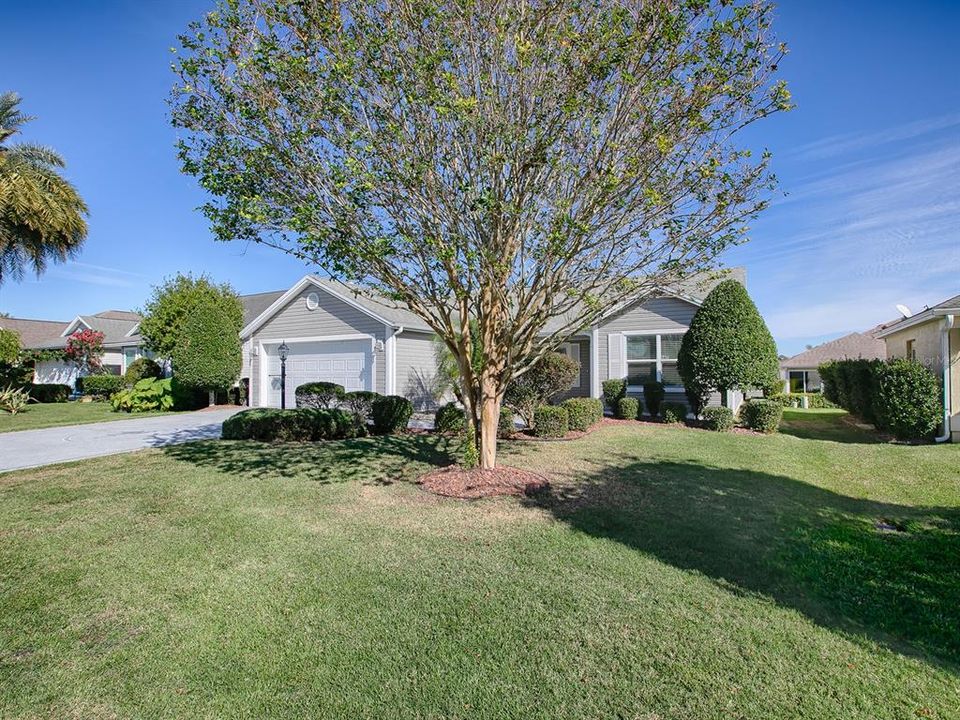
(456, 482)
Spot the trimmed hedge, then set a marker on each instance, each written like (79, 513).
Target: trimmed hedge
(674, 412)
(908, 401)
(319, 395)
(551, 421)
(49, 392)
(583, 412)
(653, 397)
(718, 419)
(449, 418)
(613, 390)
(815, 400)
(628, 408)
(899, 396)
(300, 425)
(360, 403)
(391, 413)
(762, 415)
(100, 387)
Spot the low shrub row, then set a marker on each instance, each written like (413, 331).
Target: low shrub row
(673, 412)
(100, 387)
(551, 421)
(628, 408)
(899, 396)
(390, 414)
(814, 400)
(718, 418)
(296, 425)
(49, 392)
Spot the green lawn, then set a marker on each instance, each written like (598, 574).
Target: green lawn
(43, 415)
(671, 573)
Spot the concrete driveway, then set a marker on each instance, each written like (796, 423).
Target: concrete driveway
(35, 448)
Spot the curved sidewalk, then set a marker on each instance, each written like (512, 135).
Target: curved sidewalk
(36, 448)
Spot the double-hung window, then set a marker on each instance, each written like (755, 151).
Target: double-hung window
(652, 358)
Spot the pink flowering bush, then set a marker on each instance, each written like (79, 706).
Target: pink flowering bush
(85, 348)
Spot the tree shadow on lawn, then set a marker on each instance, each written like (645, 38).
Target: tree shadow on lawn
(807, 548)
(379, 460)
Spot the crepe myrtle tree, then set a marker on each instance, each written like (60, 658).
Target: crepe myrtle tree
(507, 165)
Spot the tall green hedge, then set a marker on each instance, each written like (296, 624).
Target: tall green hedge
(208, 355)
(900, 396)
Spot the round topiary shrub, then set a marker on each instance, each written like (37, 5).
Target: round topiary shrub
(142, 368)
(719, 419)
(909, 401)
(628, 408)
(551, 421)
(583, 412)
(653, 397)
(391, 413)
(613, 390)
(319, 395)
(673, 412)
(762, 415)
(449, 419)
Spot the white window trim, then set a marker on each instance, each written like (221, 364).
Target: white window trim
(658, 360)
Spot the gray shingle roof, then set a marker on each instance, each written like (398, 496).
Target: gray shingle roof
(855, 346)
(114, 324)
(34, 333)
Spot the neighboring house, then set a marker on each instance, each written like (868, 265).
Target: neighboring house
(932, 337)
(121, 343)
(33, 333)
(800, 374)
(337, 335)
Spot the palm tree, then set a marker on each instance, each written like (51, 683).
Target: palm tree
(41, 214)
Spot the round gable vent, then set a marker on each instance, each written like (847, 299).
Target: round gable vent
(313, 301)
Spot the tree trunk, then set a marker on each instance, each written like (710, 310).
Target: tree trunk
(212, 398)
(489, 422)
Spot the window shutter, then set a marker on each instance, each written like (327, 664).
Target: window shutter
(573, 352)
(615, 358)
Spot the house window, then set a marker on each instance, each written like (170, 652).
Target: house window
(798, 381)
(911, 350)
(653, 357)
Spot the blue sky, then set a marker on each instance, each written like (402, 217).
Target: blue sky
(869, 163)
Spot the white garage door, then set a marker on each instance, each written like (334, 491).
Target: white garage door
(345, 362)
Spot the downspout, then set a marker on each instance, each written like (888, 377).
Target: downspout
(945, 359)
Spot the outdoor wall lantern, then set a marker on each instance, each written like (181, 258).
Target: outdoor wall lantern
(283, 351)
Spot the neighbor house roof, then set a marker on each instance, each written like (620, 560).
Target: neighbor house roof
(855, 346)
(950, 306)
(33, 333)
(119, 328)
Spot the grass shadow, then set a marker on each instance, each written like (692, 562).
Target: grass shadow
(373, 460)
(810, 549)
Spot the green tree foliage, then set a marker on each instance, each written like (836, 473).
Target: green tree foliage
(208, 354)
(42, 217)
(514, 167)
(728, 345)
(9, 346)
(173, 302)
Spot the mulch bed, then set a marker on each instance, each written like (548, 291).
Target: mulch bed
(456, 482)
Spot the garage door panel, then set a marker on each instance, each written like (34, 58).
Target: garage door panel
(347, 363)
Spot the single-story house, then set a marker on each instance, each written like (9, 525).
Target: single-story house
(122, 345)
(335, 334)
(800, 374)
(33, 333)
(932, 337)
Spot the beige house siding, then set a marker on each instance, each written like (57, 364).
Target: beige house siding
(333, 317)
(416, 358)
(926, 343)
